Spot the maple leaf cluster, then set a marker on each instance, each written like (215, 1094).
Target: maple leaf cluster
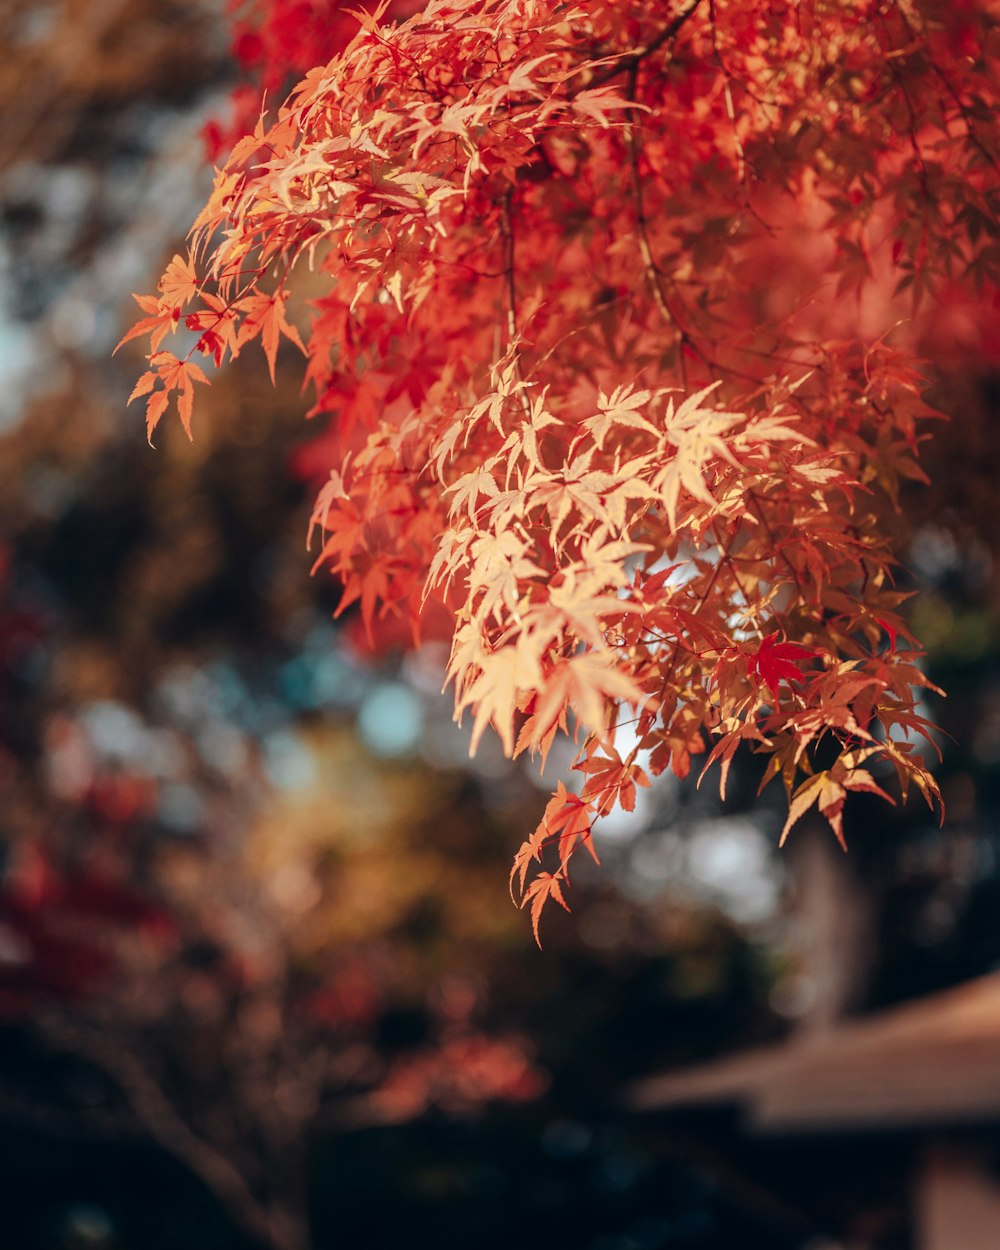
(635, 472)
(275, 42)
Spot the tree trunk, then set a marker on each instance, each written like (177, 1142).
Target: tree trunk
(834, 924)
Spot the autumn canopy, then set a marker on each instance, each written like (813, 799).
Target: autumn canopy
(603, 301)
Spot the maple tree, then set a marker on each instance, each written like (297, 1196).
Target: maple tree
(604, 304)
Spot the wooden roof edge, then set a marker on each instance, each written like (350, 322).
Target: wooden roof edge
(735, 1079)
(720, 1081)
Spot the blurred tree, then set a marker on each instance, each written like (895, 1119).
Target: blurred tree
(237, 1022)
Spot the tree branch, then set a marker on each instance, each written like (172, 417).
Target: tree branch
(653, 274)
(630, 61)
(160, 1119)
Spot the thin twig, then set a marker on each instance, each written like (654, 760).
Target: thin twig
(507, 231)
(653, 274)
(630, 61)
(510, 280)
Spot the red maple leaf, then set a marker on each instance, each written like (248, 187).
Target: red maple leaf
(775, 661)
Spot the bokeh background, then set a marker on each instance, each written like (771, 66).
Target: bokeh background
(261, 983)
